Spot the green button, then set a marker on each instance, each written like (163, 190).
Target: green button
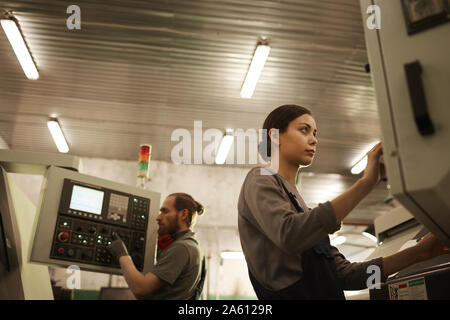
(70, 252)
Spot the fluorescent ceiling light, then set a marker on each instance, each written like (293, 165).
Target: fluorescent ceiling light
(58, 136)
(20, 49)
(256, 66)
(371, 237)
(232, 255)
(225, 146)
(338, 240)
(361, 164)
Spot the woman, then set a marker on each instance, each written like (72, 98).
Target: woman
(286, 244)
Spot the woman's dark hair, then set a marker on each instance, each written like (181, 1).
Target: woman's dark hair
(280, 119)
(185, 201)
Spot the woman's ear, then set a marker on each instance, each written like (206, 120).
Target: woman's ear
(274, 135)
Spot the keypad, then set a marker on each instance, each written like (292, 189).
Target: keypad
(87, 241)
(140, 213)
(118, 208)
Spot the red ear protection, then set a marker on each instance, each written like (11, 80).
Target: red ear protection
(164, 241)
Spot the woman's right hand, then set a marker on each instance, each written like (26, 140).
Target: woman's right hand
(430, 247)
(372, 173)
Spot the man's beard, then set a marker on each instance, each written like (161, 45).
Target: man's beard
(170, 228)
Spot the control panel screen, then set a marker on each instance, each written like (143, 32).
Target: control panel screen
(87, 218)
(86, 199)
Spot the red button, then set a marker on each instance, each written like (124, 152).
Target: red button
(63, 236)
(60, 251)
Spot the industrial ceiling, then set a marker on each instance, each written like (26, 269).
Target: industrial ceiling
(138, 70)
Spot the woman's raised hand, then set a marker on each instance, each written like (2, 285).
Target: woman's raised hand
(374, 168)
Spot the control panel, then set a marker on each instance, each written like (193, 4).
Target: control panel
(88, 215)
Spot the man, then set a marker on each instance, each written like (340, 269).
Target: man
(179, 271)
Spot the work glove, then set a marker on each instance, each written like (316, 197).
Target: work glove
(117, 248)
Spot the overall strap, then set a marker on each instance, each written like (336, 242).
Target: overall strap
(291, 196)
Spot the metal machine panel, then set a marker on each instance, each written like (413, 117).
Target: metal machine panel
(10, 250)
(19, 278)
(411, 83)
(428, 280)
(36, 162)
(77, 214)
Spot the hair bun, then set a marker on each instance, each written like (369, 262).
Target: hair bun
(199, 208)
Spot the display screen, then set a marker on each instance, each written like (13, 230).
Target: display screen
(86, 199)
